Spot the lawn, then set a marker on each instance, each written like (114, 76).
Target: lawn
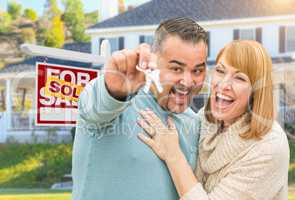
(52, 195)
(291, 191)
(34, 194)
(62, 196)
(33, 165)
(43, 164)
(28, 166)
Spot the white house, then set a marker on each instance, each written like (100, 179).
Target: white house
(271, 22)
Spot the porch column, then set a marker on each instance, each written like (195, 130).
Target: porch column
(95, 42)
(8, 104)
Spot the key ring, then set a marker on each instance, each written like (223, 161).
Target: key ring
(151, 75)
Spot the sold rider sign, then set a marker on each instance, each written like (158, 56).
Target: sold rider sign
(58, 90)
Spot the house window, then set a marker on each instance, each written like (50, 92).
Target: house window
(248, 34)
(290, 38)
(116, 43)
(146, 39)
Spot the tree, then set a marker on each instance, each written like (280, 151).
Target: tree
(91, 17)
(30, 14)
(41, 33)
(5, 22)
(55, 36)
(51, 28)
(29, 35)
(75, 20)
(14, 9)
(51, 9)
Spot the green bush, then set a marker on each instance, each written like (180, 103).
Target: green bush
(290, 127)
(33, 165)
(5, 22)
(30, 14)
(292, 162)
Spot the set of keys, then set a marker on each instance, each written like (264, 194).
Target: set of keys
(151, 75)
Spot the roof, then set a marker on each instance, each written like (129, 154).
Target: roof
(29, 64)
(84, 47)
(155, 11)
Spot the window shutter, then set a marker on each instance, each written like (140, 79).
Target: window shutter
(121, 43)
(259, 34)
(3, 99)
(141, 39)
(282, 39)
(236, 34)
(209, 38)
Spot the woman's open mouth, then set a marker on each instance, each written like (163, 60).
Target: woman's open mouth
(223, 101)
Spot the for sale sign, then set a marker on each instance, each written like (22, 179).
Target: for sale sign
(58, 90)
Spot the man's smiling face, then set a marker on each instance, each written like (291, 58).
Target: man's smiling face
(182, 65)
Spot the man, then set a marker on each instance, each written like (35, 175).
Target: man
(109, 161)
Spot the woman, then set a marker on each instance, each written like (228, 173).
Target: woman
(243, 152)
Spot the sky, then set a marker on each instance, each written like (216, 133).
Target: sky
(37, 5)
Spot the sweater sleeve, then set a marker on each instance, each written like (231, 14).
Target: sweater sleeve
(97, 106)
(260, 175)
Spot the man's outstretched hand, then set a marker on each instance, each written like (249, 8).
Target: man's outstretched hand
(121, 76)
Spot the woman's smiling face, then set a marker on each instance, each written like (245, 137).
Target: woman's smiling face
(230, 92)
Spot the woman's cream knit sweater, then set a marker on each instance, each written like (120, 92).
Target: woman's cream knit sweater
(231, 168)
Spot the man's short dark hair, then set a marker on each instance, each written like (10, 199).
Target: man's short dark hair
(185, 28)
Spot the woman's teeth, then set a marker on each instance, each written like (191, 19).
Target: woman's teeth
(223, 99)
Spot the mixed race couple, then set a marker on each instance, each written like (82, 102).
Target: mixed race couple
(132, 145)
